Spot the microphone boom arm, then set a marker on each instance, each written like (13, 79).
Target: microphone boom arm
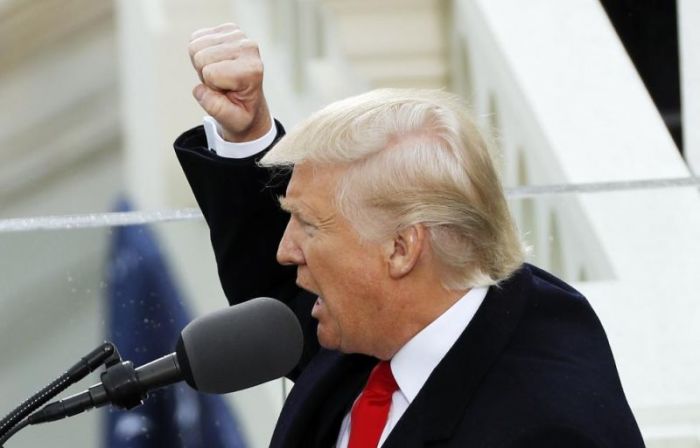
(122, 385)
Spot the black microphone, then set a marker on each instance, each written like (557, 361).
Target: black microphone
(221, 352)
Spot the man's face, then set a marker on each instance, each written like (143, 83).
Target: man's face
(333, 262)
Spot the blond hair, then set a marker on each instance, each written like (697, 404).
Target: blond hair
(414, 157)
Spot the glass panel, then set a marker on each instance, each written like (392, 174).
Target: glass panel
(64, 292)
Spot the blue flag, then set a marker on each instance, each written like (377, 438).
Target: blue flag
(145, 316)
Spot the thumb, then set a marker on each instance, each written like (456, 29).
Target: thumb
(213, 102)
(233, 118)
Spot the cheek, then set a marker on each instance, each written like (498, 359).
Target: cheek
(346, 273)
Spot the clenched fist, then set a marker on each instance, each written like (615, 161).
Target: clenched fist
(231, 71)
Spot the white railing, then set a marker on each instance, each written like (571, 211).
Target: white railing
(555, 81)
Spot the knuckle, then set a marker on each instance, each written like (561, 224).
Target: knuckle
(197, 45)
(192, 49)
(203, 32)
(208, 73)
(195, 34)
(248, 44)
(233, 36)
(229, 26)
(197, 60)
(256, 68)
(230, 48)
(212, 30)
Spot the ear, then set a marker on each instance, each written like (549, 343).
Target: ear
(409, 244)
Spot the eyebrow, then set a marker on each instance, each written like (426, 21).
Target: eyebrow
(291, 208)
(285, 205)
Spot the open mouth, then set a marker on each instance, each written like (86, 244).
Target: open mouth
(317, 307)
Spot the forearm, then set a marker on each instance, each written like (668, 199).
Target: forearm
(238, 200)
(239, 203)
(237, 197)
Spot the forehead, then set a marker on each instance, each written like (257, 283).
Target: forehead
(312, 185)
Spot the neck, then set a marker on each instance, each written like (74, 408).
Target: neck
(415, 308)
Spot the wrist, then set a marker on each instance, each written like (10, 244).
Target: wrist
(234, 150)
(259, 127)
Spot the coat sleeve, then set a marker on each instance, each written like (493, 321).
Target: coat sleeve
(239, 202)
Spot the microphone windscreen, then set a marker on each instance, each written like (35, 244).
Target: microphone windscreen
(239, 347)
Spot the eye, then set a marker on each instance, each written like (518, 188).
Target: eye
(309, 229)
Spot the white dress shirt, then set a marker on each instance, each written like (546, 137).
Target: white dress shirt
(221, 147)
(415, 361)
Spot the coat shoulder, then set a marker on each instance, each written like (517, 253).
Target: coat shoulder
(557, 375)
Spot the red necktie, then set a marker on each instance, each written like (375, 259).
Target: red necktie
(369, 414)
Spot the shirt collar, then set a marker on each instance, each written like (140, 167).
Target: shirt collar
(415, 361)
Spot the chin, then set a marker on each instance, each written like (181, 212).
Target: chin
(327, 341)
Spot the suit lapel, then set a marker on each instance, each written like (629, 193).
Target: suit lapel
(320, 398)
(440, 405)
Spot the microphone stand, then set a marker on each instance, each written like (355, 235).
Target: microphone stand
(13, 422)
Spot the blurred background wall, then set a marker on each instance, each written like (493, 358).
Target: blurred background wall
(578, 91)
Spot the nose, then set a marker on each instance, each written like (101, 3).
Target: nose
(288, 251)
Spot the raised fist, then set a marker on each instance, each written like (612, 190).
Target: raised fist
(231, 71)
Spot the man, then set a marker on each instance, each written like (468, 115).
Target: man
(402, 262)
